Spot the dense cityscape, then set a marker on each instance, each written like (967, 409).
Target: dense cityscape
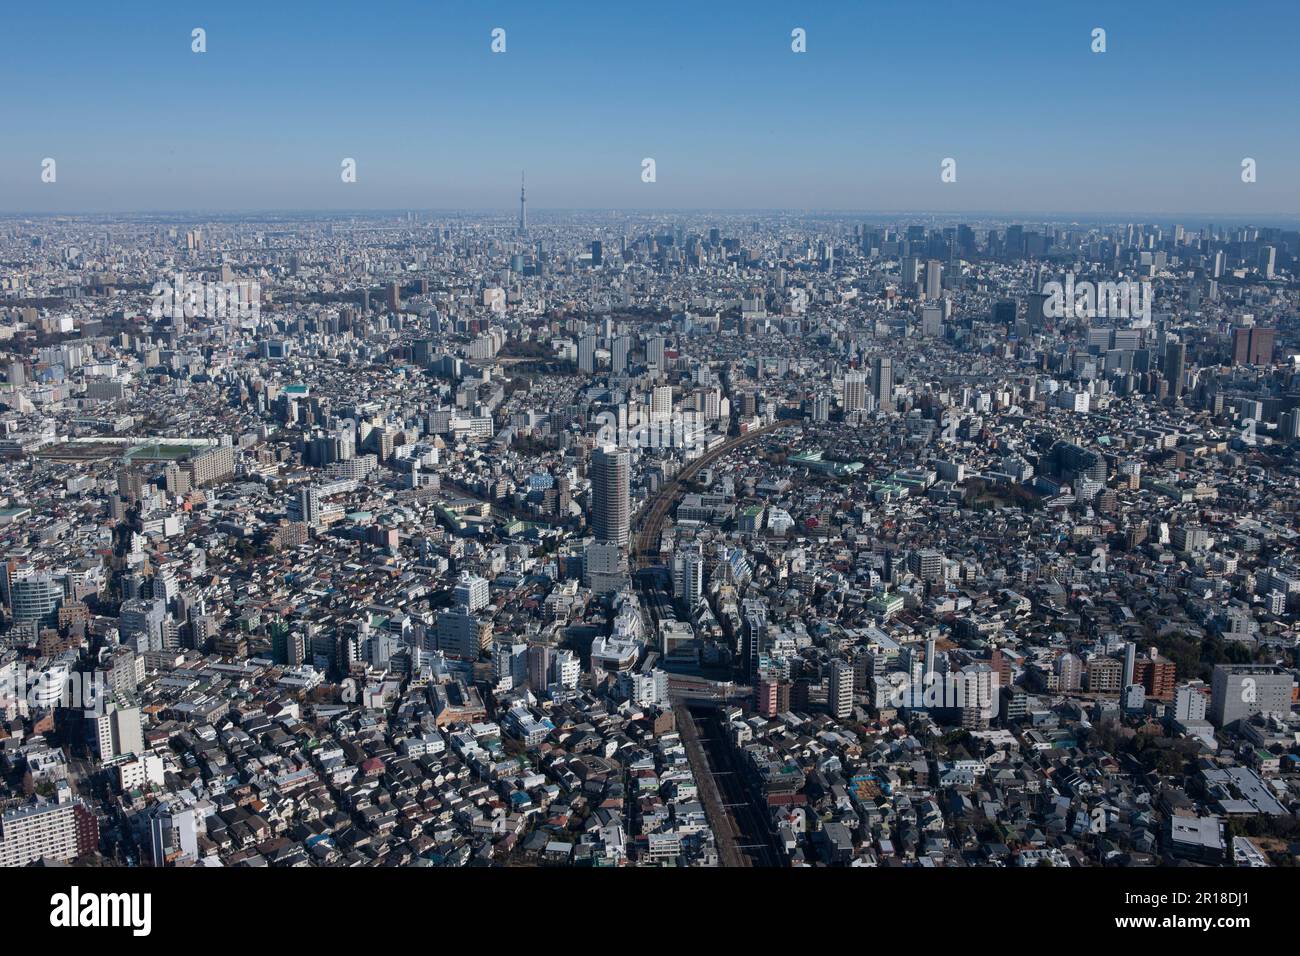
(676, 539)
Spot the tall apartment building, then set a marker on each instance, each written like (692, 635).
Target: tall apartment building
(840, 698)
(471, 592)
(211, 466)
(567, 668)
(611, 511)
(933, 279)
(927, 564)
(654, 351)
(117, 731)
(1157, 674)
(620, 353)
(765, 695)
(173, 835)
(309, 506)
(855, 391)
(688, 577)
(587, 354)
(47, 831)
(1238, 692)
(1105, 675)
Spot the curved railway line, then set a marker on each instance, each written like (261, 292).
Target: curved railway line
(651, 517)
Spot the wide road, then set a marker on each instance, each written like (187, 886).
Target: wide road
(653, 512)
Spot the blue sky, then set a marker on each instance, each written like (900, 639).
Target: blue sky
(710, 89)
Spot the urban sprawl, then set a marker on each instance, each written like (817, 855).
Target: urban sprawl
(659, 539)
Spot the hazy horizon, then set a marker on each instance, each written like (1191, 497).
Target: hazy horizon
(734, 119)
(1186, 219)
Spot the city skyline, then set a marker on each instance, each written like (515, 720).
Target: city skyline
(502, 437)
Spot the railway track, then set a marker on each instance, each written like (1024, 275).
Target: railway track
(652, 515)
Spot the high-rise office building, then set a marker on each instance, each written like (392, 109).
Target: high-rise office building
(462, 634)
(1267, 261)
(1238, 692)
(654, 352)
(1252, 346)
(620, 353)
(1288, 425)
(605, 567)
(1190, 702)
(932, 321)
(540, 657)
(1037, 309)
(882, 382)
(1175, 366)
(587, 354)
(909, 270)
(117, 731)
(34, 597)
(933, 279)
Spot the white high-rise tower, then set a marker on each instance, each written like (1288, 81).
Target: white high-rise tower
(523, 208)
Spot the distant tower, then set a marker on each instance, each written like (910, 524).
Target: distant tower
(1175, 366)
(523, 208)
(882, 381)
